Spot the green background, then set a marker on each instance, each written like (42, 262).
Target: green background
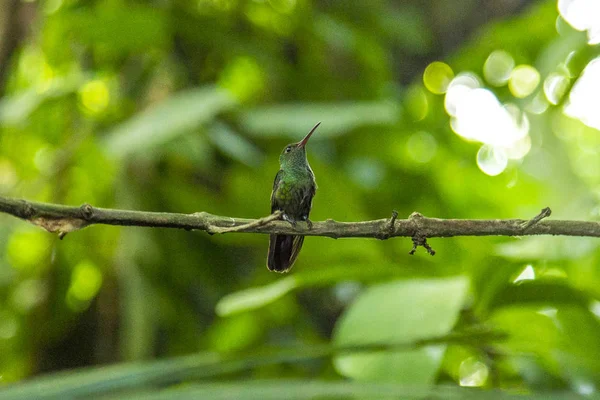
(184, 106)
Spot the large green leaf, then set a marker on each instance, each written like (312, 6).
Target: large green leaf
(253, 298)
(234, 145)
(397, 312)
(314, 389)
(294, 120)
(179, 114)
(105, 379)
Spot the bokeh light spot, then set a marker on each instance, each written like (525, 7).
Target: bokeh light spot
(519, 149)
(366, 172)
(43, 159)
(28, 250)
(575, 62)
(8, 174)
(527, 274)
(94, 96)
(481, 117)
(28, 294)
(538, 104)
(478, 115)
(595, 308)
(346, 292)
(472, 373)
(459, 89)
(86, 280)
(416, 103)
(583, 15)
(437, 77)
(498, 67)
(243, 78)
(555, 87)
(585, 96)
(524, 79)
(491, 161)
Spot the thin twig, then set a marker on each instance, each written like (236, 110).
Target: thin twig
(388, 230)
(240, 228)
(543, 214)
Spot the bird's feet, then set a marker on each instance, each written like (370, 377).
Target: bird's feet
(293, 222)
(308, 221)
(289, 219)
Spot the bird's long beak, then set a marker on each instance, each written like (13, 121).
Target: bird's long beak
(305, 140)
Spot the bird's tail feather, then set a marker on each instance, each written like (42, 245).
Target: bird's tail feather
(283, 250)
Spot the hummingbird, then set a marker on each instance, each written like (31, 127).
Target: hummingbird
(293, 190)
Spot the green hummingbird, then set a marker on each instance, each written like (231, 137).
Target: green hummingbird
(293, 191)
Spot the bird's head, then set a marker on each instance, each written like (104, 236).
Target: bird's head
(294, 154)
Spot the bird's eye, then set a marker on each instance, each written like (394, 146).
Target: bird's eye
(288, 149)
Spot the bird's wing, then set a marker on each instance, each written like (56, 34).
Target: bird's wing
(275, 186)
(306, 201)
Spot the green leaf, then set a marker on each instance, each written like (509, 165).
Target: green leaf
(253, 298)
(18, 107)
(234, 145)
(132, 376)
(539, 293)
(315, 389)
(398, 312)
(548, 248)
(580, 359)
(562, 340)
(179, 114)
(105, 379)
(295, 120)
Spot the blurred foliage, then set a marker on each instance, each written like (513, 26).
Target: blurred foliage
(184, 106)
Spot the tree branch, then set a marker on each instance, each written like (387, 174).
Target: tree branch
(64, 219)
